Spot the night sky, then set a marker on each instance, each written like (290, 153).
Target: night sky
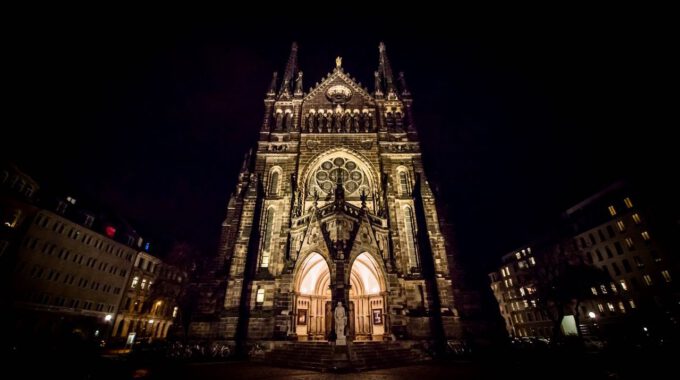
(519, 119)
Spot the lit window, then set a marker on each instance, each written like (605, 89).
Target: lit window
(666, 275)
(648, 279)
(518, 255)
(14, 219)
(623, 284)
(135, 281)
(628, 202)
(143, 284)
(510, 281)
(603, 289)
(621, 226)
(526, 304)
(600, 307)
(636, 218)
(110, 231)
(621, 307)
(638, 262)
(594, 290)
(610, 306)
(645, 235)
(629, 242)
(532, 261)
(632, 304)
(521, 291)
(260, 296)
(174, 311)
(403, 183)
(612, 210)
(613, 286)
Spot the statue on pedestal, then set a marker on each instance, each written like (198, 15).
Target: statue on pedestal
(340, 323)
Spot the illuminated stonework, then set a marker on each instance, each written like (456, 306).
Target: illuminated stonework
(333, 206)
(338, 170)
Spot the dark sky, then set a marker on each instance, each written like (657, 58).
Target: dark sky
(518, 118)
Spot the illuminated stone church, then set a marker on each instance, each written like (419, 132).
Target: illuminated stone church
(332, 205)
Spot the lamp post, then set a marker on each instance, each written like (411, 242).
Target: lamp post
(593, 322)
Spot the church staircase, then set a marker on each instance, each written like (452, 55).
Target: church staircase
(359, 356)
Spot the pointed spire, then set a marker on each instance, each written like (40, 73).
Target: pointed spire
(291, 68)
(272, 85)
(386, 70)
(378, 84)
(402, 84)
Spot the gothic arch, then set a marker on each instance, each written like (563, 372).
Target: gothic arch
(307, 262)
(368, 268)
(346, 153)
(268, 235)
(410, 233)
(404, 183)
(274, 181)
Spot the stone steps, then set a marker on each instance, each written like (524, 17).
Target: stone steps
(357, 357)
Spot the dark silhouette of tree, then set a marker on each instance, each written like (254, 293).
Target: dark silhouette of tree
(562, 281)
(187, 259)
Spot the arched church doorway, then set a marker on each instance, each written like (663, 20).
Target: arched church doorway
(313, 309)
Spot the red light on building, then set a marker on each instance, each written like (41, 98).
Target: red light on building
(110, 231)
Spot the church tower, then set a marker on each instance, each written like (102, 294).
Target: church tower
(332, 205)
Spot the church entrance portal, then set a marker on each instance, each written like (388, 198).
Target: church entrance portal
(313, 310)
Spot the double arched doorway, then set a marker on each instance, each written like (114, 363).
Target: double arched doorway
(313, 300)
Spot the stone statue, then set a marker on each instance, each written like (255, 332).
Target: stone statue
(338, 62)
(340, 320)
(298, 83)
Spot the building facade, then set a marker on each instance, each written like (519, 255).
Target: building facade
(332, 206)
(65, 268)
(149, 307)
(620, 232)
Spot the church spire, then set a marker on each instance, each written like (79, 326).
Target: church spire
(289, 75)
(386, 70)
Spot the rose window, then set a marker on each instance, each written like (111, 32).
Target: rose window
(337, 169)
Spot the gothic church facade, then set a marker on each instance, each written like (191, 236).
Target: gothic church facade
(332, 206)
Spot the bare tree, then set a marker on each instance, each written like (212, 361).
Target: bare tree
(562, 281)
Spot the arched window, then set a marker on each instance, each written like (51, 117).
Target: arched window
(269, 225)
(403, 183)
(289, 121)
(409, 228)
(274, 183)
